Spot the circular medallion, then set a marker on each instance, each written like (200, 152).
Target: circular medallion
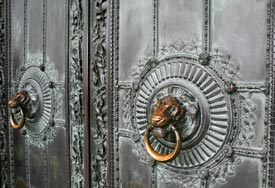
(205, 127)
(38, 78)
(36, 83)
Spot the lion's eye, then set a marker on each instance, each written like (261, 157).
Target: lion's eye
(171, 110)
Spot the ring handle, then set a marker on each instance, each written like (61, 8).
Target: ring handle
(157, 156)
(20, 123)
(19, 101)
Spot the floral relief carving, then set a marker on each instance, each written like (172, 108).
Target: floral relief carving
(4, 128)
(222, 64)
(76, 93)
(99, 82)
(224, 170)
(178, 181)
(126, 111)
(247, 121)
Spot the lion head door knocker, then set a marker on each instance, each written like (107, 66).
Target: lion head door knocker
(32, 108)
(169, 114)
(183, 113)
(16, 105)
(27, 103)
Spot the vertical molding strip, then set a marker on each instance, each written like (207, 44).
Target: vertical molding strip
(44, 30)
(27, 162)
(25, 30)
(156, 28)
(10, 167)
(111, 114)
(113, 160)
(4, 83)
(76, 112)
(67, 94)
(269, 139)
(26, 141)
(44, 45)
(206, 26)
(113, 91)
(86, 93)
(155, 54)
(272, 100)
(99, 108)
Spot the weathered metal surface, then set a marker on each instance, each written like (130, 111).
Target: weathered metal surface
(76, 105)
(39, 152)
(213, 50)
(98, 98)
(217, 52)
(4, 83)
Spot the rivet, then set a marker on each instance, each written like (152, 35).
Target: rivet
(22, 69)
(42, 67)
(230, 87)
(51, 84)
(204, 59)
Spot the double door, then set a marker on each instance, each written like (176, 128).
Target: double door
(138, 94)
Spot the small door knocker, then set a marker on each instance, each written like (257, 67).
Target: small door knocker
(167, 111)
(22, 103)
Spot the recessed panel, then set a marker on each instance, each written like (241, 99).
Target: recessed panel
(180, 22)
(56, 35)
(135, 35)
(17, 30)
(133, 173)
(34, 27)
(239, 29)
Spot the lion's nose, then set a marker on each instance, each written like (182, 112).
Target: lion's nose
(156, 120)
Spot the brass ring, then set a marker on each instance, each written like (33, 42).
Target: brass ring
(160, 157)
(13, 122)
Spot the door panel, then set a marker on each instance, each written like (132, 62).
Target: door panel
(39, 50)
(139, 27)
(190, 26)
(234, 27)
(213, 61)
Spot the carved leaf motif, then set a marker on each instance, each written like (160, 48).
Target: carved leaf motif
(99, 72)
(180, 46)
(137, 69)
(221, 64)
(226, 169)
(139, 151)
(76, 92)
(4, 160)
(127, 111)
(177, 180)
(248, 121)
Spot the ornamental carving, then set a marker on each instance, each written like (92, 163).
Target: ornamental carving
(40, 85)
(76, 92)
(99, 83)
(4, 83)
(248, 121)
(179, 181)
(207, 122)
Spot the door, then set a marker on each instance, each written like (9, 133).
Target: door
(181, 93)
(41, 83)
(39, 150)
(148, 93)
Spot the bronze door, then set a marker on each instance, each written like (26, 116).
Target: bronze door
(137, 93)
(181, 93)
(36, 73)
(41, 94)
